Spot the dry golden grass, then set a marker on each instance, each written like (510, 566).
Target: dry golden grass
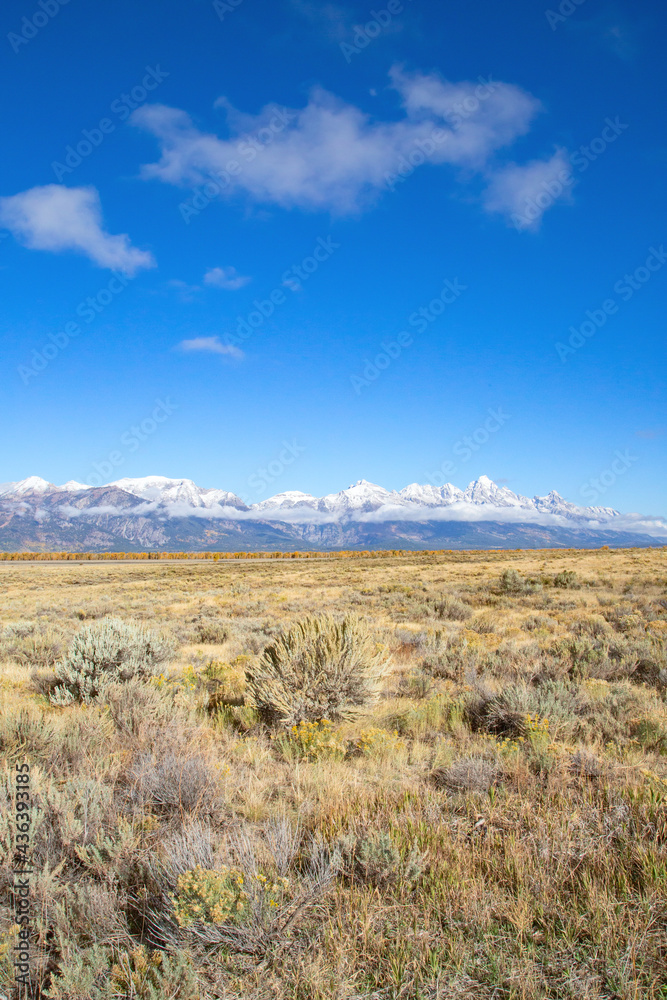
(494, 827)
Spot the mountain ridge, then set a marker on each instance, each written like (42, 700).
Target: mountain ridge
(360, 497)
(177, 514)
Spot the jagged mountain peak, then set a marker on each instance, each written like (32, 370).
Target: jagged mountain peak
(72, 486)
(361, 499)
(158, 512)
(364, 484)
(185, 492)
(33, 484)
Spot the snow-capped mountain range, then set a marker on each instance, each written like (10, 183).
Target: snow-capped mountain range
(155, 512)
(361, 498)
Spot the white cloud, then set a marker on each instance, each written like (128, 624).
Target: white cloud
(332, 21)
(655, 527)
(225, 277)
(480, 118)
(57, 218)
(187, 293)
(524, 193)
(330, 155)
(210, 345)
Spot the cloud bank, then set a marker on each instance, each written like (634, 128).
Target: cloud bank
(655, 527)
(332, 156)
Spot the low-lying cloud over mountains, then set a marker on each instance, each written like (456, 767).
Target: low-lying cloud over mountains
(176, 514)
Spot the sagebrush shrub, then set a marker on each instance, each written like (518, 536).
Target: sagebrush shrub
(175, 782)
(209, 629)
(31, 643)
(468, 774)
(449, 656)
(148, 975)
(512, 582)
(18, 630)
(567, 580)
(109, 651)
(508, 712)
(136, 707)
(534, 622)
(320, 668)
(452, 609)
(375, 859)
(26, 733)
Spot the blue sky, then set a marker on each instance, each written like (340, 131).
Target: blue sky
(230, 212)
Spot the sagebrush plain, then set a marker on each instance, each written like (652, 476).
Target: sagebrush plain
(493, 825)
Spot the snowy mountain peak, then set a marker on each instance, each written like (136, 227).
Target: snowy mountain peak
(364, 485)
(33, 484)
(287, 501)
(485, 491)
(71, 486)
(160, 489)
(482, 499)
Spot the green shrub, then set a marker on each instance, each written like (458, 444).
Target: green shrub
(149, 976)
(26, 733)
(376, 860)
(567, 580)
(452, 609)
(540, 622)
(468, 774)
(593, 626)
(580, 657)
(650, 734)
(209, 630)
(512, 582)
(509, 712)
(109, 651)
(607, 655)
(449, 656)
(318, 669)
(31, 643)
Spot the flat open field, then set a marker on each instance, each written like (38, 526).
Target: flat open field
(493, 824)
